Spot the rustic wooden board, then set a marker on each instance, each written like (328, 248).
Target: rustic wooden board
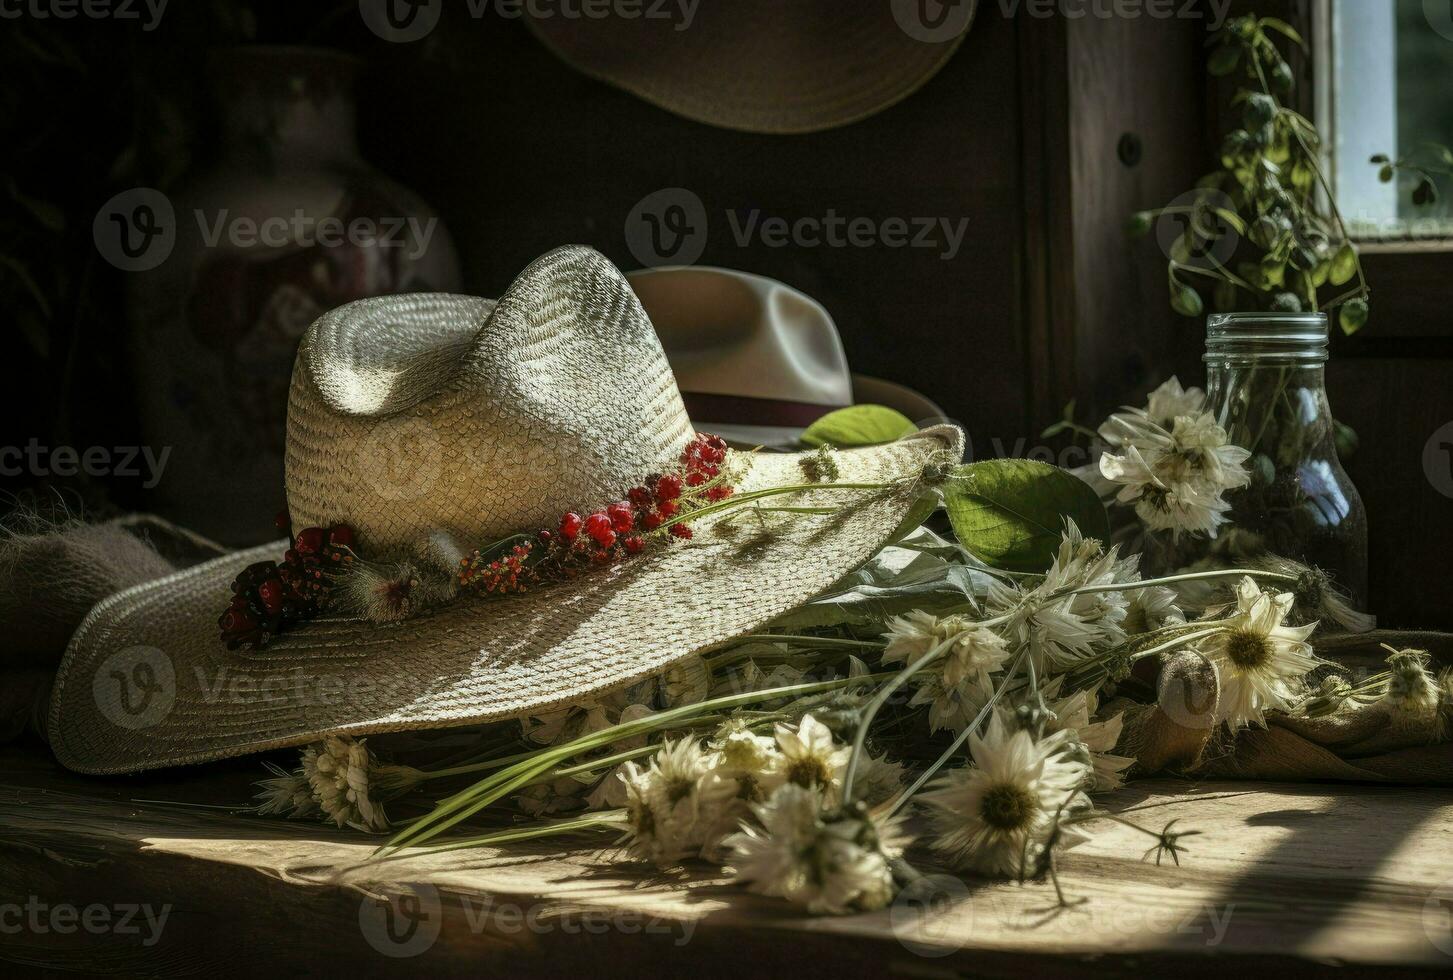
(1286, 876)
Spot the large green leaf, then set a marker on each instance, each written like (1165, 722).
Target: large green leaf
(1010, 512)
(858, 425)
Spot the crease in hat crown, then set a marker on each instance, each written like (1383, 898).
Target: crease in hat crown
(419, 413)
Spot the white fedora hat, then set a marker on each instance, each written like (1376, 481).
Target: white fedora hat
(428, 418)
(756, 360)
(764, 66)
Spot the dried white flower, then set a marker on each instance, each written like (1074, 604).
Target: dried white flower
(1151, 608)
(574, 721)
(808, 756)
(1073, 715)
(286, 794)
(998, 815)
(1412, 695)
(959, 683)
(1174, 469)
(1059, 632)
(338, 769)
(674, 808)
(1260, 662)
(827, 866)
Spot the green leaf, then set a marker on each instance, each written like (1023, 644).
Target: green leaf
(1223, 60)
(858, 425)
(1138, 224)
(1353, 315)
(1286, 303)
(1282, 27)
(1344, 265)
(1185, 300)
(1010, 512)
(1387, 173)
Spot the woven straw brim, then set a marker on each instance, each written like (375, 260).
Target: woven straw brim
(147, 683)
(761, 66)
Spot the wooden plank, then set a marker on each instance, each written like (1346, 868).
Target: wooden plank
(1282, 876)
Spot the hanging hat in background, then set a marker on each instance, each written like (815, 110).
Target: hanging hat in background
(765, 66)
(756, 360)
(422, 427)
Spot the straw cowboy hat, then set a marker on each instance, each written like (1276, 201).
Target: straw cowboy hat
(764, 66)
(416, 417)
(756, 360)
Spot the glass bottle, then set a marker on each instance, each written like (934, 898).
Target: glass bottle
(1265, 385)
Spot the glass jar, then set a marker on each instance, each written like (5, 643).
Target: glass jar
(1265, 386)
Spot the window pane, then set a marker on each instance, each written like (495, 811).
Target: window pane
(1392, 94)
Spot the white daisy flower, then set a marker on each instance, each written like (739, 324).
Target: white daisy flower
(1260, 662)
(1201, 454)
(998, 815)
(1073, 715)
(673, 807)
(809, 757)
(1178, 507)
(1149, 425)
(1151, 608)
(833, 867)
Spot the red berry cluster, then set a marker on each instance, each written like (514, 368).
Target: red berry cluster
(268, 597)
(663, 504)
(510, 572)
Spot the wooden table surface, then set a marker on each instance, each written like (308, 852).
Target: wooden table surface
(1285, 877)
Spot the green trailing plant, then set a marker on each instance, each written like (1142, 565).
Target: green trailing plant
(1262, 232)
(1423, 165)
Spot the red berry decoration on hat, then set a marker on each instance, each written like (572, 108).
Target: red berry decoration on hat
(269, 597)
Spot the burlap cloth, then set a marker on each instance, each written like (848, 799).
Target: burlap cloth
(1176, 735)
(50, 576)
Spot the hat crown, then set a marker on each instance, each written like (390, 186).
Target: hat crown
(418, 413)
